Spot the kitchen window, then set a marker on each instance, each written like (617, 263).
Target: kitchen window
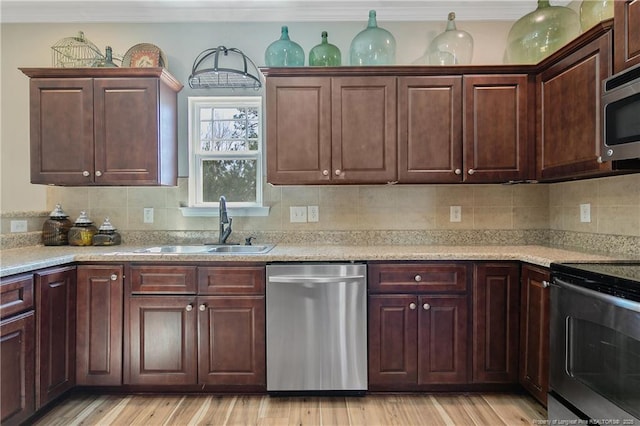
(225, 154)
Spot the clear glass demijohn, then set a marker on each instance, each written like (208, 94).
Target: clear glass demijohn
(540, 33)
(284, 52)
(452, 47)
(325, 54)
(594, 11)
(373, 45)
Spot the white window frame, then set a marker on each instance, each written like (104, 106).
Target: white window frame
(197, 207)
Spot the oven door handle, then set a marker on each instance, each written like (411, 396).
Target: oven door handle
(614, 300)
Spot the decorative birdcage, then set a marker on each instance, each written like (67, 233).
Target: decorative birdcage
(75, 52)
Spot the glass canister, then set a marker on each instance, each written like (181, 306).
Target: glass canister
(325, 54)
(107, 235)
(452, 47)
(373, 45)
(82, 231)
(284, 52)
(55, 230)
(540, 33)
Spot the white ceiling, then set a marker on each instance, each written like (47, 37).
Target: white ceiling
(127, 11)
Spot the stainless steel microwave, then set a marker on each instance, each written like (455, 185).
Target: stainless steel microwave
(621, 116)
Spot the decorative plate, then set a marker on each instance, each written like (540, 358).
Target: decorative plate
(144, 55)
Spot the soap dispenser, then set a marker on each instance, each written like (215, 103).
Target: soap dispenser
(107, 235)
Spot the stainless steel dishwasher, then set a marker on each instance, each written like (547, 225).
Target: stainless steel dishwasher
(316, 328)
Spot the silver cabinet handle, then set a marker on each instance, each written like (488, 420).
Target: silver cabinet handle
(203, 307)
(85, 173)
(114, 277)
(325, 173)
(189, 307)
(471, 171)
(426, 306)
(98, 173)
(457, 171)
(338, 172)
(297, 279)
(412, 306)
(417, 278)
(545, 284)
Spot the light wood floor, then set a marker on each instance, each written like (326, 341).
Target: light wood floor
(410, 409)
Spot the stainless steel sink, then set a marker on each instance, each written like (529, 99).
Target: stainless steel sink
(206, 249)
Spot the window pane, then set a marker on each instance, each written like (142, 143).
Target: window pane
(235, 179)
(228, 113)
(205, 113)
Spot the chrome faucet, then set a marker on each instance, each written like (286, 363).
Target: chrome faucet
(223, 234)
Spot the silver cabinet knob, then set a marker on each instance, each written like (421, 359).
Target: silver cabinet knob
(85, 173)
(417, 278)
(412, 306)
(426, 306)
(545, 284)
(189, 307)
(338, 172)
(457, 171)
(471, 171)
(114, 277)
(203, 307)
(98, 173)
(325, 173)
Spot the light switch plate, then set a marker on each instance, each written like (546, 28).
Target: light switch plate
(18, 226)
(585, 213)
(455, 214)
(297, 214)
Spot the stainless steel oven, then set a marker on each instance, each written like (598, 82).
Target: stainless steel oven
(595, 343)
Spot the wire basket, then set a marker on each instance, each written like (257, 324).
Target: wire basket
(240, 71)
(75, 52)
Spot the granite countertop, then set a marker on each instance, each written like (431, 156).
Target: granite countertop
(14, 261)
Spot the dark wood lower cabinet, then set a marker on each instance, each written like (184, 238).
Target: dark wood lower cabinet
(534, 331)
(496, 316)
(17, 364)
(55, 333)
(99, 325)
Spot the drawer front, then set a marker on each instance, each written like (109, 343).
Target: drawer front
(418, 277)
(173, 279)
(16, 295)
(231, 280)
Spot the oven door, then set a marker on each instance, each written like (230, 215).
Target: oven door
(595, 352)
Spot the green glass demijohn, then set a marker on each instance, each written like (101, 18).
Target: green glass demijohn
(540, 33)
(284, 52)
(373, 45)
(325, 54)
(452, 47)
(594, 11)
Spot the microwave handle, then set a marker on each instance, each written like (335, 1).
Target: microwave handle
(617, 301)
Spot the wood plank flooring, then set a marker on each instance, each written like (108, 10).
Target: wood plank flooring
(406, 409)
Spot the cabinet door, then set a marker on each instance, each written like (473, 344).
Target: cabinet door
(161, 341)
(16, 294)
(496, 132)
(626, 30)
(363, 129)
(126, 131)
(496, 316)
(61, 127)
(429, 129)
(443, 332)
(569, 117)
(392, 341)
(418, 277)
(56, 332)
(221, 280)
(232, 340)
(99, 325)
(534, 331)
(298, 129)
(17, 352)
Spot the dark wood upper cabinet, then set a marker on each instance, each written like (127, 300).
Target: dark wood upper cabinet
(331, 129)
(569, 116)
(626, 30)
(534, 331)
(101, 126)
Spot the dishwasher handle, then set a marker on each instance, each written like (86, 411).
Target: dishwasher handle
(299, 279)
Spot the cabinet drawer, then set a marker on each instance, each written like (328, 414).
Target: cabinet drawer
(231, 280)
(16, 295)
(163, 279)
(418, 277)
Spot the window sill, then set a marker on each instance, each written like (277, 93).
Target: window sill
(232, 211)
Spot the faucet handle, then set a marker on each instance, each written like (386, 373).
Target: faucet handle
(247, 241)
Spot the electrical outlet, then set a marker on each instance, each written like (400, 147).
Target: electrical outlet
(148, 215)
(313, 213)
(585, 212)
(297, 214)
(455, 214)
(18, 226)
